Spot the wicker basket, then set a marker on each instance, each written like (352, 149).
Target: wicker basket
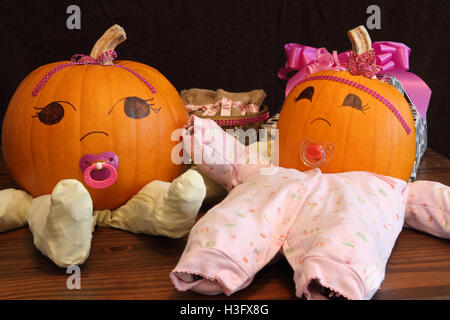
(249, 121)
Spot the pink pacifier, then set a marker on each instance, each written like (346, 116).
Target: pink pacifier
(99, 171)
(315, 154)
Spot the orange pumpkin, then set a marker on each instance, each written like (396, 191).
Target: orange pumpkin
(337, 121)
(88, 110)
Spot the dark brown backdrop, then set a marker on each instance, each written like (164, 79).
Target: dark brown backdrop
(235, 45)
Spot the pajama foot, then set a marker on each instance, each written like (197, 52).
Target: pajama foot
(320, 278)
(14, 207)
(203, 286)
(325, 292)
(177, 209)
(210, 272)
(160, 208)
(61, 223)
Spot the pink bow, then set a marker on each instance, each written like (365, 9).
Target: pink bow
(391, 57)
(106, 58)
(363, 64)
(324, 61)
(308, 60)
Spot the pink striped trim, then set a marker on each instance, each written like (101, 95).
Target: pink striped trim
(369, 91)
(242, 122)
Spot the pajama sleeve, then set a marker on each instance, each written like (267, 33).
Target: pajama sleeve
(218, 154)
(428, 208)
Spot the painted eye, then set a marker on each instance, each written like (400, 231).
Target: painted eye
(352, 100)
(307, 93)
(136, 108)
(51, 113)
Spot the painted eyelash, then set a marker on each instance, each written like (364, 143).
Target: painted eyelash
(355, 104)
(149, 104)
(307, 93)
(42, 108)
(354, 101)
(362, 109)
(37, 113)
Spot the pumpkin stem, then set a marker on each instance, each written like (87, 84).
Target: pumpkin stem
(360, 39)
(109, 41)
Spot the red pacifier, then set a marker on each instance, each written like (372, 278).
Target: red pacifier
(315, 154)
(99, 171)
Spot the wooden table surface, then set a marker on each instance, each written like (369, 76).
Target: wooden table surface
(123, 265)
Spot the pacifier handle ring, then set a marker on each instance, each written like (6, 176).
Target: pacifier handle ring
(327, 153)
(100, 184)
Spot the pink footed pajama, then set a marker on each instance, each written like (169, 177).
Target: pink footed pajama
(335, 229)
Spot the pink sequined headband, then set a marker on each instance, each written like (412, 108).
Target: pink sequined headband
(361, 87)
(105, 59)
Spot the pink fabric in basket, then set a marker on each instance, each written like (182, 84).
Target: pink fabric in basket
(211, 109)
